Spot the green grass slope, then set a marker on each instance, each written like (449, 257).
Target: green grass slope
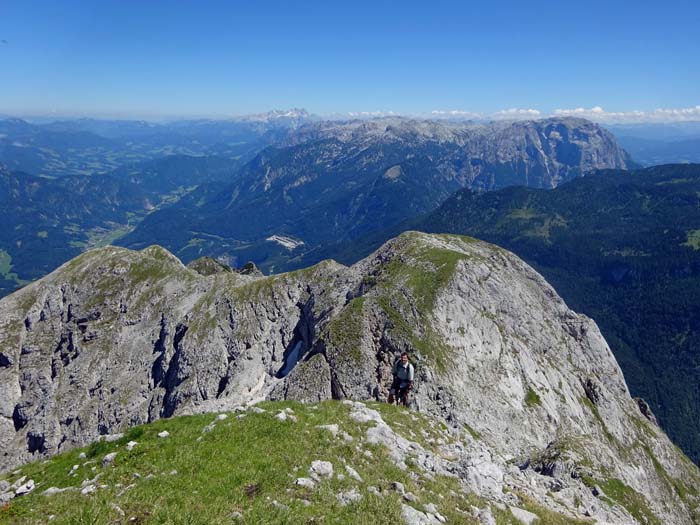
(243, 469)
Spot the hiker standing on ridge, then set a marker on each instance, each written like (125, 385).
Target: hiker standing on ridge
(403, 380)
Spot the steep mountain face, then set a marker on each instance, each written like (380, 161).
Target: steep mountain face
(176, 173)
(338, 181)
(538, 153)
(115, 338)
(45, 222)
(625, 249)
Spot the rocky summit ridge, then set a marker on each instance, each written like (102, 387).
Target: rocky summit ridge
(116, 338)
(540, 153)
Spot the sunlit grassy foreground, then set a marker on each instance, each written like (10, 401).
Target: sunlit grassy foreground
(243, 469)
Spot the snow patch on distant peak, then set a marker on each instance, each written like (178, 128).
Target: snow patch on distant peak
(294, 113)
(288, 242)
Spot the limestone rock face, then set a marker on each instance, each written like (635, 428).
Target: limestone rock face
(538, 153)
(116, 338)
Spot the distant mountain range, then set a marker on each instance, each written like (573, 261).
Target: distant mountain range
(48, 221)
(319, 182)
(85, 146)
(653, 144)
(332, 181)
(653, 152)
(88, 146)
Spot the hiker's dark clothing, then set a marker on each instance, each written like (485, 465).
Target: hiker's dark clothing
(402, 383)
(403, 375)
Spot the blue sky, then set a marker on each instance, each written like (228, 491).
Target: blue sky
(158, 59)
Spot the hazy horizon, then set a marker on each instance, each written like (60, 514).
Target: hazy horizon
(660, 116)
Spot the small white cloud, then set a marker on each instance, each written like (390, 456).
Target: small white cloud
(455, 114)
(504, 114)
(595, 113)
(516, 114)
(660, 115)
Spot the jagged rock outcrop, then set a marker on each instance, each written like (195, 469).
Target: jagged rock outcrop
(115, 338)
(207, 266)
